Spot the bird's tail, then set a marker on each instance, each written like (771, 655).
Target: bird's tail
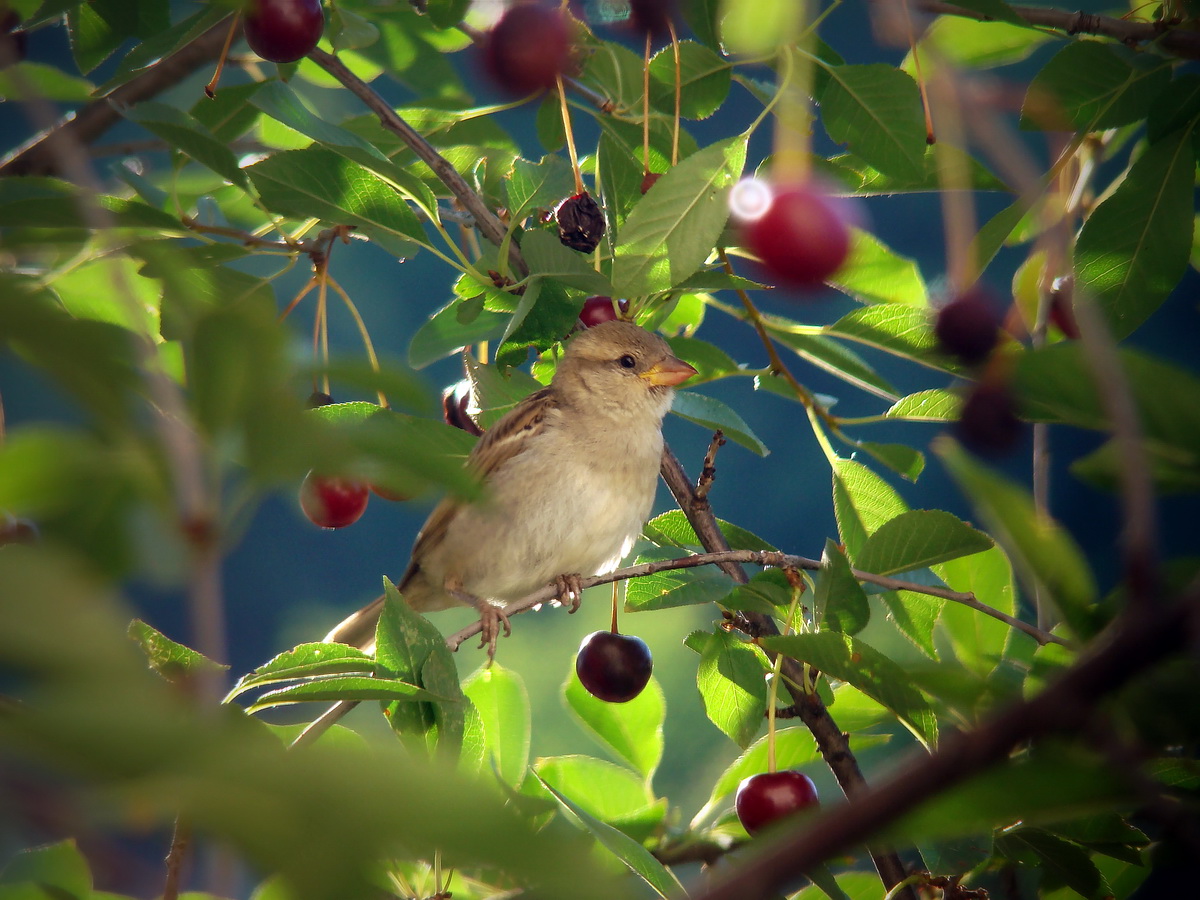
(358, 628)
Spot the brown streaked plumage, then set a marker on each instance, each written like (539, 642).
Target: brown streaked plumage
(569, 476)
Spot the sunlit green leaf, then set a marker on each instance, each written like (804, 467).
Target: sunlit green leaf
(704, 79)
(732, 682)
(839, 602)
(503, 703)
(862, 502)
(632, 730)
(715, 415)
(1090, 85)
(875, 110)
(920, 538)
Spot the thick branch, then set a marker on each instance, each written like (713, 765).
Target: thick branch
(82, 127)
(1131, 644)
(1176, 41)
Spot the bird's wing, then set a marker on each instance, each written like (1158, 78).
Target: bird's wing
(500, 443)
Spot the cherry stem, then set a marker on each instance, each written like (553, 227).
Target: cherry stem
(646, 107)
(930, 137)
(362, 330)
(210, 89)
(613, 627)
(570, 135)
(678, 92)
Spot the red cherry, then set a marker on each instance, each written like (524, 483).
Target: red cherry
(17, 531)
(528, 48)
(333, 502)
(283, 31)
(387, 494)
(968, 326)
(600, 309)
(803, 237)
(769, 796)
(613, 667)
(317, 399)
(649, 179)
(988, 422)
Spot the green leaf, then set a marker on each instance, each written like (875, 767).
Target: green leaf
(1090, 86)
(409, 649)
(978, 640)
(503, 703)
(349, 31)
(708, 359)
(767, 592)
(549, 258)
(672, 528)
(530, 186)
(876, 111)
(862, 502)
(186, 134)
(281, 103)
(1063, 863)
(1134, 247)
(229, 114)
(336, 688)
(847, 659)
(98, 27)
(834, 358)
(839, 602)
(673, 228)
(900, 458)
(58, 869)
(172, 660)
(323, 184)
(446, 13)
(161, 42)
(758, 27)
(1036, 543)
(626, 849)
(711, 413)
(445, 333)
(934, 405)
(905, 331)
(874, 273)
(917, 539)
(677, 587)
(44, 81)
(632, 730)
(306, 661)
(732, 682)
(704, 79)
(599, 788)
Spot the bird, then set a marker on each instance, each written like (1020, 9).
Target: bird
(569, 476)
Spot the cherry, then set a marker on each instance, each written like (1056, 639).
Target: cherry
(651, 17)
(17, 531)
(13, 40)
(456, 400)
(333, 502)
(968, 326)
(528, 49)
(649, 179)
(597, 310)
(770, 796)
(580, 222)
(318, 398)
(283, 31)
(802, 236)
(613, 667)
(988, 422)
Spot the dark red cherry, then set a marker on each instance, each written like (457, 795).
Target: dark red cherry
(968, 327)
(333, 502)
(17, 531)
(318, 398)
(770, 796)
(803, 236)
(649, 179)
(613, 667)
(283, 31)
(988, 422)
(651, 17)
(529, 48)
(600, 309)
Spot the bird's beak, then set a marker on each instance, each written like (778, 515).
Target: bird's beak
(669, 372)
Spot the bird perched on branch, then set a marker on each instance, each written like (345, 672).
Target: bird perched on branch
(569, 475)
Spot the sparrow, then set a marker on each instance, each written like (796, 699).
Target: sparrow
(569, 476)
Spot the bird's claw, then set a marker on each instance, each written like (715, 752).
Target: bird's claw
(570, 591)
(491, 619)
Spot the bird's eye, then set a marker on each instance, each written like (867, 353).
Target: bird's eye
(627, 361)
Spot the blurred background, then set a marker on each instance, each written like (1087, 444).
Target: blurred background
(287, 582)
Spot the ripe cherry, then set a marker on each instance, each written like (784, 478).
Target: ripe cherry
(770, 796)
(528, 48)
(17, 531)
(283, 31)
(613, 667)
(802, 236)
(968, 326)
(333, 502)
(600, 309)
(988, 422)
(649, 179)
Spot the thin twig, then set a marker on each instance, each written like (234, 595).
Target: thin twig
(708, 471)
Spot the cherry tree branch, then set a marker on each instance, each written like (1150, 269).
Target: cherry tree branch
(1132, 644)
(726, 558)
(1176, 41)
